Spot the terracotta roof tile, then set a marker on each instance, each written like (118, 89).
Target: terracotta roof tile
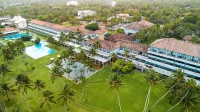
(140, 25)
(105, 44)
(178, 46)
(9, 29)
(134, 46)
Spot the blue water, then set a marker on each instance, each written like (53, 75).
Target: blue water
(51, 51)
(16, 36)
(41, 46)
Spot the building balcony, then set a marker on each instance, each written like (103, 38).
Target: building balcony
(175, 58)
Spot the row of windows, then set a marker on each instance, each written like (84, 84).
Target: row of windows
(174, 60)
(165, 68)
(42, 30)
(194, 69)
(174, 54)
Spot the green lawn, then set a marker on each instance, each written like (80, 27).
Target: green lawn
(132, 93)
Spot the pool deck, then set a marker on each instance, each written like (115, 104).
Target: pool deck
(38, 52)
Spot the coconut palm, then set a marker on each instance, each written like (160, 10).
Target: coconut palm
(190, 85)
(152, 78)
(79, 38)
(126, 53)
(39, 85)
(62, 37)
(190, 102)
(84, 83)
(3, 103)
(115, 82)
(47, 98)
(172, 83)
(66, 95)
(22, 81)
(6, 90)
(4, 70)
(55, 73)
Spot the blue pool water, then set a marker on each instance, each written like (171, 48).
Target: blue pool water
(39, 50)
(16, 36)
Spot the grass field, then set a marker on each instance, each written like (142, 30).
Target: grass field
(132, 93)
(100, 99)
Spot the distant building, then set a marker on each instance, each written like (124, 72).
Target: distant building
(5, 21)
(113, 3)
(19, 22)
(9, 31)
(73, 3)
(137, 26)
(84, 13)
(110, 18)
(123, 16)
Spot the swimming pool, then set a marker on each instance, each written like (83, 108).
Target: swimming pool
(39, 50)
(16, 36)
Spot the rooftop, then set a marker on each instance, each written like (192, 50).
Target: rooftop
(49, 25)
(178, 46)
(71, 28)
(118, 37)
(105, 44)
(9, 29)
(140, 25)
(134, 46)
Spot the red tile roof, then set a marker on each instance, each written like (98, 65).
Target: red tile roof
(105, 44)
(119, 37)
(140, 25)
(124, 43)
(70, 28)
(49, 25)
(134, 46)
(178, 46)
(9, 29)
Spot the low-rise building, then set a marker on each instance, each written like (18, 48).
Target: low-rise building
(46, 28)
(171, 54)
(124, 17)
(9, 31)
(137, 26)
(72, 3)
(20, 22)
(84, 13)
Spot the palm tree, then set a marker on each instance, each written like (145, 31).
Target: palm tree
(177, 78)
(79, 38)
(56, 72)
(6, 90)
(190, 102)
(84, 83)
(126, 53)
(39, 85)
(4, 70)
(152, 78)
(97, 45)
(62, 37)
(190, 85)
(66, 95)
(115, 82)
(47, 98)
(22, 81)
(3, 103)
